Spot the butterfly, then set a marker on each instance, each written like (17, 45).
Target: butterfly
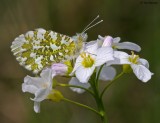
(40, 48)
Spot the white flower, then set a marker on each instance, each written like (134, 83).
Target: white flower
(139, 66)
(75, 81)
(88, 60)
(41, 87)
(107, 73)
(114, 43)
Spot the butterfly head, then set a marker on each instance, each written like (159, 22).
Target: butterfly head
(81, 38)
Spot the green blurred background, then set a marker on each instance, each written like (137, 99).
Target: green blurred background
(127, 101)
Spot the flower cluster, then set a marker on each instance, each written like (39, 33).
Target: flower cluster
(99, 55)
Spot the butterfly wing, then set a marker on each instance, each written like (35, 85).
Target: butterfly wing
(38, 49)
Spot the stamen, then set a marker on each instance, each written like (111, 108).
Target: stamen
(133, 58)
(88, 61)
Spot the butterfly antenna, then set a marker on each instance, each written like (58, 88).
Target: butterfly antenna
(91, 22)
(92, 26)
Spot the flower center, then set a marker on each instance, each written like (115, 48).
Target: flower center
(88, 61)
(133, 58)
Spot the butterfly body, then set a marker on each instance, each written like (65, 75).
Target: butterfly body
(38, 49)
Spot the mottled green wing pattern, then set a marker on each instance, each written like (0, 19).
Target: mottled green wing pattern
(40, 48)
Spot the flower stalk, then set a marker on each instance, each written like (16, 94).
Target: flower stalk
(75, 86)
(110, 83)
(97, 97)
(82, 105)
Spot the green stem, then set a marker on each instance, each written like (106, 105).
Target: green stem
(94, 83)
(82, 105)
(110, 83)
(99, 74)
(75, 86)
(100, 105)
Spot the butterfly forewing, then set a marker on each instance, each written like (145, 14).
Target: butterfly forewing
(40, 48)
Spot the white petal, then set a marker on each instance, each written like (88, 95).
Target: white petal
(116, 40)
(77, 65)
(46, 74)
(104, 54)
(100, 37)
(83, 74)
(116, 61)
(107, 41)
(128, 45)
(107, 73)
(35, 81)
(91, 47)
(75, 81)
(144, 62)
(41, 94)
(141, 72)
(122, 56)
(37, 107)
(59, 69)
(100, 42)
(29, 88)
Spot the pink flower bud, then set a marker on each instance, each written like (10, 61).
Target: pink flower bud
(59, 69)
(108, 40)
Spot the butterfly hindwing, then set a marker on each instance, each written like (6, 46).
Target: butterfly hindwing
(40, 48)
